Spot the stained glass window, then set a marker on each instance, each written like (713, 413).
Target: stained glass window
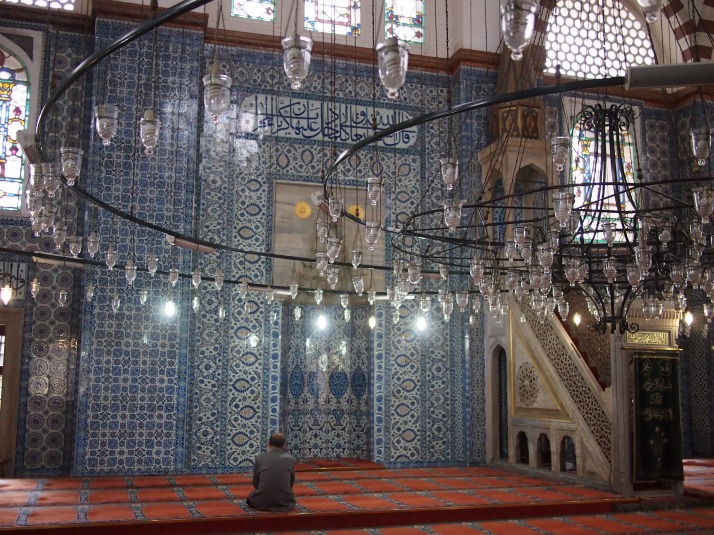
(404, 19)
(14, 111)
(332, 16)
(603, 170)
(254, 9)
(66, 5)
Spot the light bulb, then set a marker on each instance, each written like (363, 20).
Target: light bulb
(169, 308)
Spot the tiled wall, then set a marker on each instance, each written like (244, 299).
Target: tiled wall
(153, 395)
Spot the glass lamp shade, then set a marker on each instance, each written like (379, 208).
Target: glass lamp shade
(196, 277)
(462, 300)
(322, 229)
(75, 245)
(356, 258)
(527, 251)
(371, 296)
(560, 151)
(414, 273)
(608, 229)
(424, 303)
(89, 291)
(393, 60)
(452, 214)
(296, 58)
(92, 244)
(510, 250)
(71, 159)
(449, 172)
(701, 144)
(149, 131)
(447, 307)
(609, 268)
(318, 296)
(477, 269)
(152, 265)
(35, 287)
(60, 236)
(633, 275)
(374, 190)
(269, 294)
(344, 300)
(106, 121)
(563, 207)
(358, 284)
(703, 202)
(216, 92)
(143, 296)
(294, 287)
(335, 208)
(333, 276)
(36, 180)
(173, 276)
(321, 263)
(518, 24)
(111, 257)
(650, 9)
(334, 246)
(371, 235)
(511, 280)
(519, 235)
(297, 313)
(51, 178)
(708, 311)
(130, 272)
(62, 297)
(545, 256)
(6, 294)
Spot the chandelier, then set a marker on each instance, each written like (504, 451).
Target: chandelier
(600, 237)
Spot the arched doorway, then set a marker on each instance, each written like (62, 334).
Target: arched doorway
(502, 366)
(543, 451)
(567, 455)
(522, 456)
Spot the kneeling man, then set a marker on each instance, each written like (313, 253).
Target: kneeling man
(273, 478)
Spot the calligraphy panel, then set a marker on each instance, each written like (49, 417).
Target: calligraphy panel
(298, 118)
(648, 338)
(658, 440)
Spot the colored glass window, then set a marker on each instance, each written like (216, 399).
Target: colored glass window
(340, 17)
(602, 181)
(65, 5)
(404, 19)
(254, 9)
(14, 112)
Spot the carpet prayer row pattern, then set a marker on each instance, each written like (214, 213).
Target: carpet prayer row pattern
(26, 502)
(699, 521)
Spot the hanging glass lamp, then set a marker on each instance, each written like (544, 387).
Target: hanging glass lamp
(71, 159)
(106, 121)
(149, 131)
(296, 58)
(216, 92)
(518, 24)
(393, 60)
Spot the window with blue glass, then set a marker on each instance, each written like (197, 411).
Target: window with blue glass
(254, 9)
(14, 112)
(404, 19)
(341, 17)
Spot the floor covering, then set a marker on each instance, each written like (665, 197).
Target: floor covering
(359, 495)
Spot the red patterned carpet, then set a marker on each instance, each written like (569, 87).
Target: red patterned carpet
(363, 496)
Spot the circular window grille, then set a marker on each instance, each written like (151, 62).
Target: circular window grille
(527, 384)
(592, 40)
